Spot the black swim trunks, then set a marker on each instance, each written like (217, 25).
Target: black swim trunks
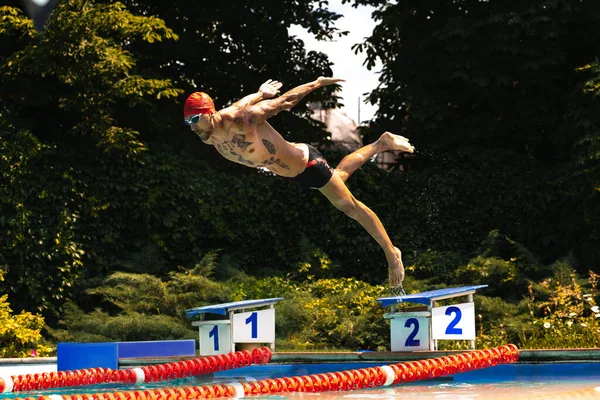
(317, 172)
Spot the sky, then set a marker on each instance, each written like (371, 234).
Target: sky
(346, 64)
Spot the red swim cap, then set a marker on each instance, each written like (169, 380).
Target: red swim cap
(198, 103)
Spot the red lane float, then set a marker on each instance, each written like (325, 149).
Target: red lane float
(331, 381)
(153, 373)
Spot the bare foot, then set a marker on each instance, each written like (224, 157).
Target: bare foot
(389, 141)
(396, 269)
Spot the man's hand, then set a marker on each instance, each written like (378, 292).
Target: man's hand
(323, 81)
(270, 89)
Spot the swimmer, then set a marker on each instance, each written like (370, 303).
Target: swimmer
(241, 134)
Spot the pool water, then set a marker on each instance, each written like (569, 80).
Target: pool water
(509, 381)
(452, 391)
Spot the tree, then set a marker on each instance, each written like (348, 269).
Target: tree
(582, 179)
(91, 115)
(493, 87)
(228, 54)
(473, 75)
(59, 92)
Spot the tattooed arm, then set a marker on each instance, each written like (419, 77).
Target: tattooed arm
(267, 90)
(264, 110)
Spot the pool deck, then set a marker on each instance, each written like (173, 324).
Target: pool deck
(526, 356)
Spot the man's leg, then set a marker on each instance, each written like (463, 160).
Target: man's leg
(355, 160)
(338, 194)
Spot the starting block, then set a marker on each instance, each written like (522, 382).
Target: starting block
(420, 328)
(232, 323)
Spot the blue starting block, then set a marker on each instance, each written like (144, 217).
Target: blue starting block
(420, 328)
(72, 356)
(232, 323)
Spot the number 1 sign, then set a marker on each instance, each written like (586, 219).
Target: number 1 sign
(455, 322)
(215, 338)
(254, 327)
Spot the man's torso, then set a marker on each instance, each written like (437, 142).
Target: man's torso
(257, 145)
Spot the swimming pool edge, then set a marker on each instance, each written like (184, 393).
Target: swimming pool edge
(529, 356)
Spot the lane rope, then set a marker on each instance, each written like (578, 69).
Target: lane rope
(153, 373)
(330, 381)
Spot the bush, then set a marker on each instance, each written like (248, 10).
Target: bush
(99, 326)
(321, 314)
(567, 316)
(20, 335)
(340, 313)
(142, 306)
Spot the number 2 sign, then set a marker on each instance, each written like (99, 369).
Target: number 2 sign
(455, 322)
(410, 332)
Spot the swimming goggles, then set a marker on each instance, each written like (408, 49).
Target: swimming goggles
(193, 120)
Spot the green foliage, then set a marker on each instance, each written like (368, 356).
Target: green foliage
(229, 54)
(98, 326)
(593, 85)
(437, 265)
(498, 321)
(195, 287)
(500, 273)
(566, 314)
(20, 334)
(142, 306)
(508, 92)
(76, 74)
(323, 314)
(134, 293)
(481, 72)
(106, 198)
(583, 179)
(60, 90)
(559, 312)
(15, 28)
(38, 217)
(291, 316)
(94, 88)
(344, 314)
(505, 264)
(333, 314)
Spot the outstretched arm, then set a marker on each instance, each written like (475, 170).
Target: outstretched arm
(267, 90)
(264, 110)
